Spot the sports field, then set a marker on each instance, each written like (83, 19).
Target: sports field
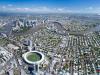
(33, 57)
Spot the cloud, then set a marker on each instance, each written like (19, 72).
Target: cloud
(24, 9)
(89, 8)
(10, 5)
(60, 9)
(40, 10)
(6, 7)
(92, 9)
(44, 9)
(3, 7)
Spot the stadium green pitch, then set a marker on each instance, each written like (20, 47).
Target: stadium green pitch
(33, 57)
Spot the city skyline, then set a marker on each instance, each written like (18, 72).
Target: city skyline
(49, 37)
(50, 6)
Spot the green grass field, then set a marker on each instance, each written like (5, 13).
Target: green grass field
(33, 57)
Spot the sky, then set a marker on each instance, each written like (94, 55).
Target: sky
(50, 6)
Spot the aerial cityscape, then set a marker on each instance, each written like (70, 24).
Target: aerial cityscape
(49, 37)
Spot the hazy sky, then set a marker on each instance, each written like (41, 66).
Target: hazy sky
(50, 6)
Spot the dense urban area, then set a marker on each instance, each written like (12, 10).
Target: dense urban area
(57, 44)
